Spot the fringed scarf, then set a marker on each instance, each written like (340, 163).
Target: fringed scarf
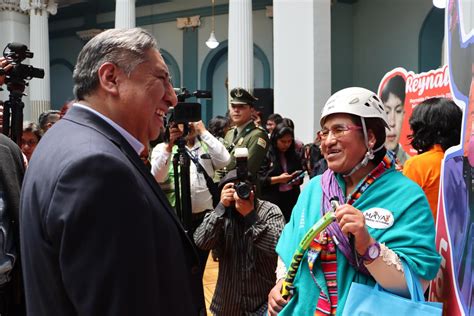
(330, 189)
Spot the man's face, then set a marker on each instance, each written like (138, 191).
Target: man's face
(395, 112)
(52, 119)
(145, 96)
(240, 113)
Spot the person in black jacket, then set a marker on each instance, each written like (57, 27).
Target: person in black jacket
(281, 165)
(11, 176)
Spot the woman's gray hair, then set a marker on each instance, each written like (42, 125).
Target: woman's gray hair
(125, 48)
(32, 127)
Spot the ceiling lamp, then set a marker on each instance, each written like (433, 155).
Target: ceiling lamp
(440, 4)
(212, 41)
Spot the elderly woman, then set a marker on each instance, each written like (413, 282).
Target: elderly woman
(30, 138)
(385, 213)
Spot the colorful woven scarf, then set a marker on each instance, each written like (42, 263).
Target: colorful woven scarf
(330, 188)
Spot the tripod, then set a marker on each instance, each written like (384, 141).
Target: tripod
(182, 183)
(14, 108)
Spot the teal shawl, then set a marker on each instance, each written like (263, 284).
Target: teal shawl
(412, 237)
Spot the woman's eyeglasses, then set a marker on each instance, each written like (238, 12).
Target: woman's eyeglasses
(337, 131)
(29, 142)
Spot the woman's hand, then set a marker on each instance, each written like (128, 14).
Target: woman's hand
(175, 133)
(5, 67)
(275, 301)
(199, 127)
(282, 178)
(351, 220)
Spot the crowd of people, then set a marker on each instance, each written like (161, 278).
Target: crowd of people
(100, 234)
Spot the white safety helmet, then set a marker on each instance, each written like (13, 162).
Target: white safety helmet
(360, 102)
(357, 101)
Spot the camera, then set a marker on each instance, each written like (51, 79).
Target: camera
(185, 112)
(243, 187)
(16, 53)
(16, 81)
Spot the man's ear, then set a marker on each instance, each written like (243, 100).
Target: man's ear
(108, 73)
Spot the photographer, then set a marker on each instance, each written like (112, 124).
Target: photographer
(242, 232)
(207, 154)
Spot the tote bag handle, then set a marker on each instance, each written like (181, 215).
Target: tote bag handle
(413, 284)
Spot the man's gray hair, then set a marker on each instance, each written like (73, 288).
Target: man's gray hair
(125, 48)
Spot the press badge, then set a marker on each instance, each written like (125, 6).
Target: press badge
(378, 218)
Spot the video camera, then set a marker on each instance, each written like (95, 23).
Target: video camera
(186, 112)
(15, 53)
(243, 187)
(16, 81)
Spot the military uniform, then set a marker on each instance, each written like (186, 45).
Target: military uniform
(253, 138)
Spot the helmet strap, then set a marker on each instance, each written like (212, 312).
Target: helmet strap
(369, 155)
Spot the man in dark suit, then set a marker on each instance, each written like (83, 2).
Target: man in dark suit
(99, 237)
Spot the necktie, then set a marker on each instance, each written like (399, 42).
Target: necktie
(236, 132)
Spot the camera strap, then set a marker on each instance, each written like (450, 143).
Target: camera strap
(211, 185)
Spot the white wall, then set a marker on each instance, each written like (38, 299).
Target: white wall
(302, 58)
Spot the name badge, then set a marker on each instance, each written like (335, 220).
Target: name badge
(378, 218)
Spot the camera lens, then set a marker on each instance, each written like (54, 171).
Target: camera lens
(243, 190)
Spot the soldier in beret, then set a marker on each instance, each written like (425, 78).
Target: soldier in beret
(244, 133)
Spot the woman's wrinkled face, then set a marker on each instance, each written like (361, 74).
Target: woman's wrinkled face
(28, 143)
(395, 112)
(284, 142)
(345, 150)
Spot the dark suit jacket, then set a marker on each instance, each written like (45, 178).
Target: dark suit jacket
(99, 237)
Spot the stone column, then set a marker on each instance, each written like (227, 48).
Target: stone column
(124, 14)
(14, 26)
(240, 52)
(302, 59)
(40, 95)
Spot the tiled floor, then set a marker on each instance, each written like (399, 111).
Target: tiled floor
(209, 281)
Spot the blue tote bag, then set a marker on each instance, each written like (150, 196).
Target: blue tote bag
(365, 300)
